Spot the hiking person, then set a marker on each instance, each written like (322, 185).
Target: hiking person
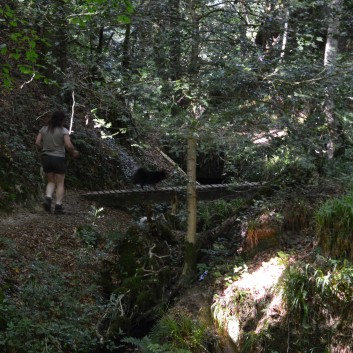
(53, 138)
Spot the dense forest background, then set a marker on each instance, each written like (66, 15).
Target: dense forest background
(264, 87)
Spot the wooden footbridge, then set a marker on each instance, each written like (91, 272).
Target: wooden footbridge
(166, 194)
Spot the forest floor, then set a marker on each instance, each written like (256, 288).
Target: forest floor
(30, 235)
(38, 235)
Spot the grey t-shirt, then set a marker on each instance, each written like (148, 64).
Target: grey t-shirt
(53, 143)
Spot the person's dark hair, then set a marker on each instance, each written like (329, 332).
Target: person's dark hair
(56, 120)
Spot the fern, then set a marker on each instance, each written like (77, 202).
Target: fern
(147, 346)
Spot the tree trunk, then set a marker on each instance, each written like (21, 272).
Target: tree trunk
(175, 45)
(96, 55)
(335, 11)
(126, 60)
(56, 30)
(285, 30)
(189, 270)
(195, 40)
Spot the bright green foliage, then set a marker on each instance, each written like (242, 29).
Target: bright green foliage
(175, 332)
(18, 53)
(313, 294)
(117, 10)
(33, 31)
(182, 331)
(296, 293)
(334, 222)
(311, 289)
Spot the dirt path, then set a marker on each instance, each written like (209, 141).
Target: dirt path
(31, 236)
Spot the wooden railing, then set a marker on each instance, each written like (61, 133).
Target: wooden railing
(164, 194)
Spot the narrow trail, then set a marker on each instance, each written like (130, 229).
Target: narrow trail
(30, 236)
(36, 222)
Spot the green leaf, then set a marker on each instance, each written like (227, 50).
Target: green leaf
(15, 56)
(8, 82)
(74, 20)
(32, 44)
(25, 69)
(3, 49)
(31, 55)
(124, 19)
(129, 8)
(15, 36)
(9, 13)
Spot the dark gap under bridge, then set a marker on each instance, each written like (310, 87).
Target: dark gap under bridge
(136, 195)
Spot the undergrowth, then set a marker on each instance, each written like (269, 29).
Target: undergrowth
(311, 289)
(175, 332)
(317, 297)
(19, 170)
(50, 312)
(215, 212)
(334, 227)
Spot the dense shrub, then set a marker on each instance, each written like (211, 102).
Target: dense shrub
(334, 227)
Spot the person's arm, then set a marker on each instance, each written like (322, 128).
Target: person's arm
(39, 140)
(70, 147)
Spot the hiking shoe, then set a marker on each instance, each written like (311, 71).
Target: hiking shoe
(59, 209)
(47, 204)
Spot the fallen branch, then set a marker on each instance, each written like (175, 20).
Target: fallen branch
(32, 78)
(72, 111)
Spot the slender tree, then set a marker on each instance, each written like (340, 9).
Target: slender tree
(330, 58)
(190, 240)
(175, 40)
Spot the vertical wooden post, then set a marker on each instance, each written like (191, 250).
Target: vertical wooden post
(189, 269)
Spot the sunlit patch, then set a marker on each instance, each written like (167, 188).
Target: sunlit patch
(260, 282)
(251, 296)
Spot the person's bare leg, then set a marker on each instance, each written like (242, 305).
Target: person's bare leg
(49, 190)
(60, 190)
